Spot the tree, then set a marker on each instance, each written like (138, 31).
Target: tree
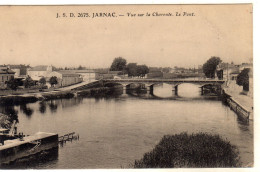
(166, 69)
(131, 69)
(118, 64)
(80, 68)
(209, 68)
(142, 70)
(42, 81)
(243, 79)
(12, 84)
(28, 82)
(53, 80)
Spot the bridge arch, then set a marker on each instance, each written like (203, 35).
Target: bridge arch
(111, 84)
(149, 83)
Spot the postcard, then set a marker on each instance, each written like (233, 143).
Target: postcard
(126, 86)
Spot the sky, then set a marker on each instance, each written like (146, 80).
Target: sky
(33, 35)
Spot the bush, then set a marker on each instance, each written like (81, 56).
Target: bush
(243, 79)
(195, 150)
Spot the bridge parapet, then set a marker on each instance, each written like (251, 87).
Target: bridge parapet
(167, 81)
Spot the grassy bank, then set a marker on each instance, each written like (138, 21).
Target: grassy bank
(195, 150)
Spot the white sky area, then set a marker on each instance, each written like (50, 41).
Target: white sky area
(33, 35)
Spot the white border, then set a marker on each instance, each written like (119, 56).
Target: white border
(256, 55)
(66, 2)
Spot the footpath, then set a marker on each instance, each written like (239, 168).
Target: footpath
(246, 100)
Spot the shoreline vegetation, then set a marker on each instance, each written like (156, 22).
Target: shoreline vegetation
(199, 150)
(31, 98)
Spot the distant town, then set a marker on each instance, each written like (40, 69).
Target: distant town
(26, 77)
(23, 85)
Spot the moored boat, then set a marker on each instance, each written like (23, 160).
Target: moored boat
(19, 146)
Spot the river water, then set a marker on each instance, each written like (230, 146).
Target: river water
(116, 131)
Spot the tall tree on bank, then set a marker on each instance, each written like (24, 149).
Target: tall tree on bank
(42, 81)
(12, 84)
(131, 69)
(118, 64)
(53, 80)
(142, 70)
(209, 68)
(28, 82)
(243, 79)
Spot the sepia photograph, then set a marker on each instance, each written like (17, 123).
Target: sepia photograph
(126, 86)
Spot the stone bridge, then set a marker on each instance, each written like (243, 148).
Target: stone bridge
(149, 83)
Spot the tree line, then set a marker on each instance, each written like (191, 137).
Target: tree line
(29, 82)
(132, 69)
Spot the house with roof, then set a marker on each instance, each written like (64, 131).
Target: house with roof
(20, 70)
(37, 72)
(65, 77)
(87, 74)
(6, 74)
(230, 71)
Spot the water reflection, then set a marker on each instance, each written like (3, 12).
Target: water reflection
(115, 130)
(189, 90)
(42, 107)
(26, 110)
(53, 106)
(70, 102)
(163, 90)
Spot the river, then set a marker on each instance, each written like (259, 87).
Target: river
(116, 131)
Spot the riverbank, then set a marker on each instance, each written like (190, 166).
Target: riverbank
(34, 97)
(240, 98)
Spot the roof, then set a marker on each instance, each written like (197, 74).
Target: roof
(85, 71)
(39, 68)
(68, 73)
(17, 66)
(78, 71)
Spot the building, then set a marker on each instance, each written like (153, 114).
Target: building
(65, 78)
(20, 70)
(230, 71)
(88, 75)
(37, 72)
(107, 74)
(6, 74)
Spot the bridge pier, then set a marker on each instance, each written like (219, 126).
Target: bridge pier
(202, 91)
(151, 89)
(176, 90)
(124, 89)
